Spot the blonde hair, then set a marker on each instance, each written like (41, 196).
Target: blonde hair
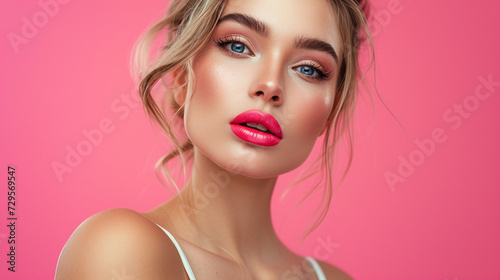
(354, 31)
(189, 25)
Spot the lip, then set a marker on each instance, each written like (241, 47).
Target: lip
(253, 135)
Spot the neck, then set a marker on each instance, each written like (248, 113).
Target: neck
(230, 210)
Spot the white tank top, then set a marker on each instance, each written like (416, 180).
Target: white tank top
(189, 270)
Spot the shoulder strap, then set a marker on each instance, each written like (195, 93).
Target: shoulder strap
(317, 268)
(185, 262)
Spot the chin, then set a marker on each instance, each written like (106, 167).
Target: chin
(250, 160)
(259, 168)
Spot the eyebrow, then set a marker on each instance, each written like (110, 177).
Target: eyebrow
(315, 44)
(250, 22)
(263, 29)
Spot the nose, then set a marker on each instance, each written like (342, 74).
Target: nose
(268, 85)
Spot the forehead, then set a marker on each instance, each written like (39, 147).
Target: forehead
(292, 18)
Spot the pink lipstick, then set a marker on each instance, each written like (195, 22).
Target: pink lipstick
(257, 128)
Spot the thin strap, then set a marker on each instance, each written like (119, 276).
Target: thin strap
(317, 268)
(185, 262)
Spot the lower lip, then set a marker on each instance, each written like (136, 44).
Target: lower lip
(255, 136)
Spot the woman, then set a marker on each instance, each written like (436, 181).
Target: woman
(255, 83)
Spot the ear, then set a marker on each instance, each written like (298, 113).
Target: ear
(180, 85)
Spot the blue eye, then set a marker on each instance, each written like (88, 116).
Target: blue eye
(307, 70)
(237, 47)
(234, 45)
(314, 71)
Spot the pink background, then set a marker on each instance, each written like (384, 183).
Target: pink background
(443, 222)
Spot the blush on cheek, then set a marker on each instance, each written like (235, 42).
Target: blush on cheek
(313, 118)
(213, 83)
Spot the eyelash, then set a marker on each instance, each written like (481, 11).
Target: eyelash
(224, 41)
(322, 73)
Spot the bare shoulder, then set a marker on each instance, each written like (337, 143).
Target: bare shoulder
(332, 272)
(119, 244)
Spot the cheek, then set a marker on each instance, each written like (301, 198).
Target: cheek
(212, 104)
(311, 118)
(217, 83)
(208, 86)
(317, 116)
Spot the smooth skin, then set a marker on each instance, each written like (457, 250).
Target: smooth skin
(226, 232)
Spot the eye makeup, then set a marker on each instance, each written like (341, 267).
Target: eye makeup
(234, 44)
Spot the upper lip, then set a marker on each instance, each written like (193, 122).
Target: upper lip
(256, 116)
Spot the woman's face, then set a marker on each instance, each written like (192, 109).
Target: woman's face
(268, 61)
